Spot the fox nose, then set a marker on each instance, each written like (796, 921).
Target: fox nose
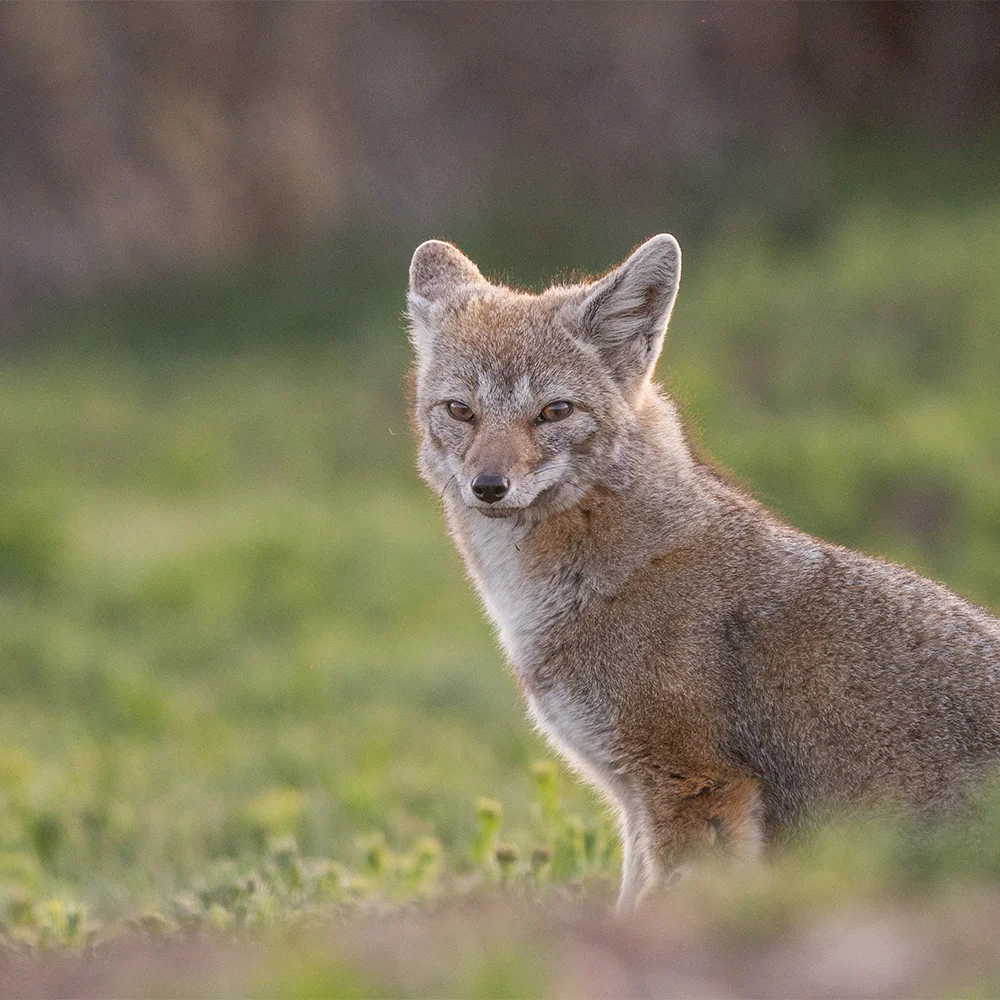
(490, 487)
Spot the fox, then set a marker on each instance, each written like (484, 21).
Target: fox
(719, 677)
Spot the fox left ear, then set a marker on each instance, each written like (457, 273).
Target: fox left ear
(625, 313)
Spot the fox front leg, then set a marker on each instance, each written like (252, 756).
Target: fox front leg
(637, 859)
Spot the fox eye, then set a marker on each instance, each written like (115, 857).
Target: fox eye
(559, 410)
(459, 410)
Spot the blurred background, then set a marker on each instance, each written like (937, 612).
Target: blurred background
(148, 140)
(229, 611)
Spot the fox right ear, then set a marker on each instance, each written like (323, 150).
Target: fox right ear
(436, 271)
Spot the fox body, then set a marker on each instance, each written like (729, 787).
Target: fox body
(718, 675)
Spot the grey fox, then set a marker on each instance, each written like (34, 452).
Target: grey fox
(718, 675)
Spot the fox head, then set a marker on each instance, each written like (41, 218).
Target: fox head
(525, 402)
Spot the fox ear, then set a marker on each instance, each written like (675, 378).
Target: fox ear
(437, 269)
(625, 313)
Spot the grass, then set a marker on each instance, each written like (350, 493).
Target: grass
(245, 685)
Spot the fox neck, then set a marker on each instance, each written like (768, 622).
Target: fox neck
(533, 576)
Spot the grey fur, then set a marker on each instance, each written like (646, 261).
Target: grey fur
(720, 676)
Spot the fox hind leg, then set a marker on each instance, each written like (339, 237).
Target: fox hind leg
(710, 813)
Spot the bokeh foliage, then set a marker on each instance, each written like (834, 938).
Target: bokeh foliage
(236, 643)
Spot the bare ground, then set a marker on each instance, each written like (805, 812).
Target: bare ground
(494, 948)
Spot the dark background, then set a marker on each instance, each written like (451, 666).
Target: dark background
(140, 140)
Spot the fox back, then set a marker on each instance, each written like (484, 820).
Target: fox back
(718, 675)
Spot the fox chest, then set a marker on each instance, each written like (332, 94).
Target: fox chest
(581, 728)
(523, 608)
(531, 614)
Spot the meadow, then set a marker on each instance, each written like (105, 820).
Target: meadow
(245, 688)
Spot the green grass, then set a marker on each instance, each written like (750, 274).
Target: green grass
(243, 679)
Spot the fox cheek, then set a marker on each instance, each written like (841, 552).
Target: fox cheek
(436, 442)
(568, 435)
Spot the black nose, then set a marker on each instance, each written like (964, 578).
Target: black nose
(490, 487)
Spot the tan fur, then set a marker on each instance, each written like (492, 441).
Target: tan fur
(718, 675)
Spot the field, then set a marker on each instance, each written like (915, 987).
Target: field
(247, 693)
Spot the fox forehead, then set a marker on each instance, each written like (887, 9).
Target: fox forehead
(509, 349)
(506, 325)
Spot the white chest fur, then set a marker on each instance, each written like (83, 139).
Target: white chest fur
(582, 731)
(527, 609)
(519, 605)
